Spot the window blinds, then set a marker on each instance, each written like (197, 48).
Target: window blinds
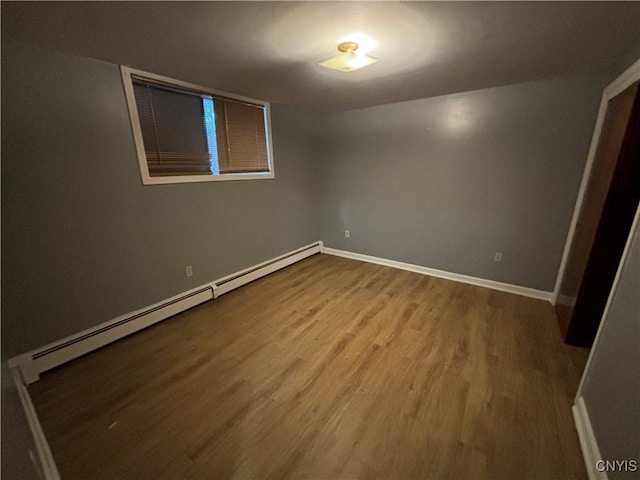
(174, 130)
(242, 142)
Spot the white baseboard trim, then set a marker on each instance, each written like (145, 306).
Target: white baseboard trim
(43, 458)
(457, 277)
(588, 444)
(33, 363)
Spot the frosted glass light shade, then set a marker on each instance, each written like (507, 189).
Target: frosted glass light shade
(348, 62)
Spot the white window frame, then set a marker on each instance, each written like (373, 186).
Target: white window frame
(127, 81)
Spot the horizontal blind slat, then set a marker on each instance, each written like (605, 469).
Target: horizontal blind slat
(246, 138)
(173, 129)
(177, 136)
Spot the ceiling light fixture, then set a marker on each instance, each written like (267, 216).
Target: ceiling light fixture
(348, 60)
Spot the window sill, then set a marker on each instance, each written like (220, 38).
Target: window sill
(146, 180)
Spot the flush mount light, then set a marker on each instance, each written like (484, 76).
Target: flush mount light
(348, 60)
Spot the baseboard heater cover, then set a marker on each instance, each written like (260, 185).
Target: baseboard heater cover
(32, 364)
(235, 280)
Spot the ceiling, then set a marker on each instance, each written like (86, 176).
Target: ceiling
(270, 50)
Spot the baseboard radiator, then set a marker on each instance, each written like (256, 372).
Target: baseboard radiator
(32, 364)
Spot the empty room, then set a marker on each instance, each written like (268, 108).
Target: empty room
(321, 240)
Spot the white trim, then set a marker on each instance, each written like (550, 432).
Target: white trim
(457, 277)
(192, 86)
(136, 130)
(588, 443)
(635, 230)
(235, 280)
(629, 76)
(33, 363)
(139, 143)
(626, 78)
(44, 458)
(228, 177)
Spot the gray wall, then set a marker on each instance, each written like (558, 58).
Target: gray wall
(612, 382)
(16, 436)
(442, 182)
(628, 57)
(84, 241)
(447, 182)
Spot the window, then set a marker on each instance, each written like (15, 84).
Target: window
(185, 133)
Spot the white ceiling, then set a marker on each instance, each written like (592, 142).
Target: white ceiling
(270, 50)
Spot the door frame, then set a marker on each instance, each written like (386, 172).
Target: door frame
(588, 442)
(629, 76)
(635, 226)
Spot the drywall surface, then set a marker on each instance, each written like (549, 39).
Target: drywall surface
(628, 57)
(611, 388)
(16, 436)
(447, 182)
(84, 241)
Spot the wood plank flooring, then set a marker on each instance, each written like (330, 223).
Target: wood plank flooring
(331, 368)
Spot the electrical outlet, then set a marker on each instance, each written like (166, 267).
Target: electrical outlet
(347, 234)
(497, 257)
(188, 270)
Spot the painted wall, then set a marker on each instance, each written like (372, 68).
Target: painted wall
(611, 387)
(447, 182)
(625, 60)
(84, 241)
(16, 436)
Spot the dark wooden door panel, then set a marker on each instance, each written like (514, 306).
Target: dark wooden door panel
(606, 215)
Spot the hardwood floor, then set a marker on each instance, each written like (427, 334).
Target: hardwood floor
(331, 368)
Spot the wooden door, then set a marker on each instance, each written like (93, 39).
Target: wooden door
(610, 201)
